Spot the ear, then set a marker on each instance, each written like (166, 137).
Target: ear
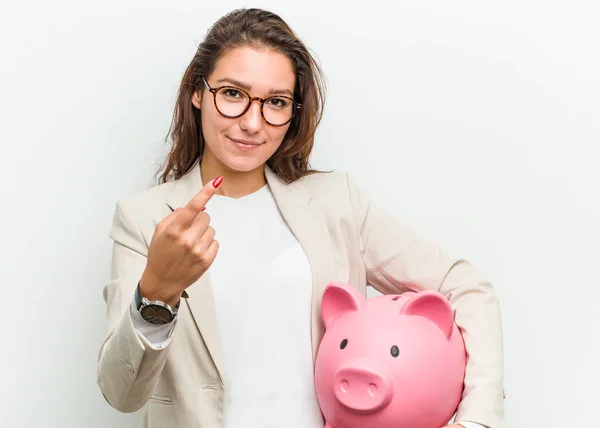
(433, 306)
(197, 99)
(339, 298)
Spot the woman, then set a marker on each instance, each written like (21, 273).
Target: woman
(224, 333)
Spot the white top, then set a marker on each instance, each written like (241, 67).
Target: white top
(262, 287)
(261, 282)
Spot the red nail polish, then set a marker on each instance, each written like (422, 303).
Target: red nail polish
(203, 208)
(217, 181)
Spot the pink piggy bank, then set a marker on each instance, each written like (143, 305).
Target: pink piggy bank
(388, 361)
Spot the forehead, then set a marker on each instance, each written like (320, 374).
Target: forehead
(262, 69)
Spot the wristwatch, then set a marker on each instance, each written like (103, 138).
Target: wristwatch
(154, 311)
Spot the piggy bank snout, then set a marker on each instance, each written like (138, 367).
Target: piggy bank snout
(363, 387)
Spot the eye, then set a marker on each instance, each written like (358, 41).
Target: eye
(232, 93)
(343, 344)
(278, 102)
(395, 351)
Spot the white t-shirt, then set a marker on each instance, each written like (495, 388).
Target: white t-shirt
(262, 286)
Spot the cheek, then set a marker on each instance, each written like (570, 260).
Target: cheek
(276, 135)
(212, 125)
(210, 115)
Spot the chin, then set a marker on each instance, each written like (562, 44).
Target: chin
(246, 162)
(243, 164)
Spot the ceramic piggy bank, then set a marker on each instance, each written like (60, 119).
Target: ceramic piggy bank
(388, 361)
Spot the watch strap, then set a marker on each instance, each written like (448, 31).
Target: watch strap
(138, 297)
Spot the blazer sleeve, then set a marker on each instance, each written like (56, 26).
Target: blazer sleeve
(396, 259)
(128, 365)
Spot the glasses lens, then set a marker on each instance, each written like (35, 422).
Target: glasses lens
(231, 102)
(278, 110)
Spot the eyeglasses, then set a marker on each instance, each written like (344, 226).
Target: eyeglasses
(232, 102)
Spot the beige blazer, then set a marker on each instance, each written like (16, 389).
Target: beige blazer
(345, 238)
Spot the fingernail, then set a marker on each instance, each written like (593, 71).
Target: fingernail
(203, 208)
(217, 181)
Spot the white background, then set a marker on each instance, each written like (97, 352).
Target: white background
(477, 123)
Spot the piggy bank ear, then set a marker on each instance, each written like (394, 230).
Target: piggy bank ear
(339, 298)
(433, 306)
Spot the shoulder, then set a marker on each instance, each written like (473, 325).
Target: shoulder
(336, 187)
(142, 210)
(149, 200)
(324, 182)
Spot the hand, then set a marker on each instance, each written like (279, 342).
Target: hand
(181, 250)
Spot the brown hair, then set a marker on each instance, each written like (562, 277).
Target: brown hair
(259, 29)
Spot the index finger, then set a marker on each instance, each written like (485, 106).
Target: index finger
(198, 202)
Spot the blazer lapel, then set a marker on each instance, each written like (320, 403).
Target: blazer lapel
(200, 299)
(307, 222)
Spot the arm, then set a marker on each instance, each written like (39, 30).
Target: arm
(397, 260)
(128, 364)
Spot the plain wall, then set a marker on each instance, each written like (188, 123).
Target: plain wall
(476, 123)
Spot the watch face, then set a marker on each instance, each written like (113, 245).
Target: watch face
(156, 314)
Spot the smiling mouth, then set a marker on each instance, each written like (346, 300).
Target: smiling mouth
(245, 144)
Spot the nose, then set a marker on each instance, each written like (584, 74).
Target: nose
(251, 121)
(363, 387)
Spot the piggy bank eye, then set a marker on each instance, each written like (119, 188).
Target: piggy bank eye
(395, 351)
(343, 344)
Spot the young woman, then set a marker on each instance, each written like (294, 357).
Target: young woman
(223, 333)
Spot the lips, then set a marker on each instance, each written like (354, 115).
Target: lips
(245, 142)
(245, 145)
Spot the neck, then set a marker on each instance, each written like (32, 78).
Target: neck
(235, 183)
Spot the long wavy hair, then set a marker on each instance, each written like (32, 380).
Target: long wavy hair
(255, 28)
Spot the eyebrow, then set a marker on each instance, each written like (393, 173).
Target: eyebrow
(248, 88)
